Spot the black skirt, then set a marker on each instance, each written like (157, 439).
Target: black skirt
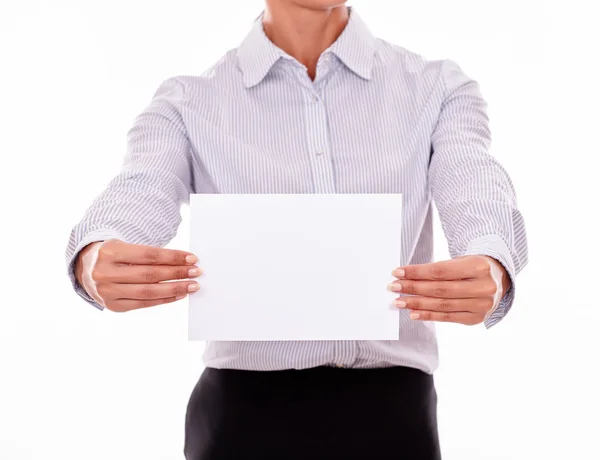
(320, 413)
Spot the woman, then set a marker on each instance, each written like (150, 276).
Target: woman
(312, 102)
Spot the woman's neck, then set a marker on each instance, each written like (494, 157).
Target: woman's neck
(302, 32)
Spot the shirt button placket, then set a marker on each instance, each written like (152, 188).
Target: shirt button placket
(324, 182)
(318, 145)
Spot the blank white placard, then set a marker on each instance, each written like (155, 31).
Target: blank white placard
(295, 267)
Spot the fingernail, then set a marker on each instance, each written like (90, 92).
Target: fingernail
(399, 272)
(191, 259)
(394, 287)
(414, 315)
(180, 297)
(400, 303)
(193, 272)
(193, 287)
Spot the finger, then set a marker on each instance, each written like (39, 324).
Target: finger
(124, 305)
(447, 317)
(147, 291)
(474, 305)
(119, 252)
(445, 289)
(455, 269)
(124, 274)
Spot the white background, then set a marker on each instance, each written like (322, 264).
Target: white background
(79, 384)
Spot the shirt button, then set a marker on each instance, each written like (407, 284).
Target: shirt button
(340, 366)
(315, 98)
(319, 154)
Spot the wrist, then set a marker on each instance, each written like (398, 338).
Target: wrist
(80, 260)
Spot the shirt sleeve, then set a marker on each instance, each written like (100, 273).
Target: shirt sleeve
(473, 193)
(142, 203)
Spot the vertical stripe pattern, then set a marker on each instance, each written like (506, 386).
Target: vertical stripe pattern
(377, 118)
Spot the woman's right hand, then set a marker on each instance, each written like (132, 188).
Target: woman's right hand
(122, 276)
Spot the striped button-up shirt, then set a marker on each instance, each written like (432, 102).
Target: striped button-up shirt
(377, 118)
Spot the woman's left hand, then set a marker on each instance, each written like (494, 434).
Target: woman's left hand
(463, 290)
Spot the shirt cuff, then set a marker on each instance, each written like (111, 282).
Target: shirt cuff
(495, 247)
(92, 237)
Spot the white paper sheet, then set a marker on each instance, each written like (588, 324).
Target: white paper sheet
(295, 267)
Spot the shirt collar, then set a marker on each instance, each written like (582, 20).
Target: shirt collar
(355, 47)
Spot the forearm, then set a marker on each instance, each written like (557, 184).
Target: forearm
(472, 191)
(478, 211)
(142, 203)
